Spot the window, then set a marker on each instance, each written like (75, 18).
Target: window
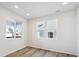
(41, 29)
(46, 28)
(13, 29)
(51, 28)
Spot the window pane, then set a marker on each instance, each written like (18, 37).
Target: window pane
(41, 33)
(9, 29)
(50, 34)
(18, 30)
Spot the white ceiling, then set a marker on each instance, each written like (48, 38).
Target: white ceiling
(38, 9)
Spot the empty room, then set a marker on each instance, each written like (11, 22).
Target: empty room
(39, 29)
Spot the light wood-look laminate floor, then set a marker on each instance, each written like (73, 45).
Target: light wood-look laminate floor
(36, 52)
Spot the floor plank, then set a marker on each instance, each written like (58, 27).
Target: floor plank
(39, 53)
(29, 53)
(50, 54)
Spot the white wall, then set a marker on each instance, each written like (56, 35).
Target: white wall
(66, 35)
(10, 45)
(77, 31)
